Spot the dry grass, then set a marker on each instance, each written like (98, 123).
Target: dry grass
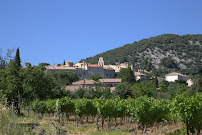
(49, 125)
(46, 125)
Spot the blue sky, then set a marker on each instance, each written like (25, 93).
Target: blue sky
(53, 31)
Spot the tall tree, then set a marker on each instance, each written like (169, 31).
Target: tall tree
(17, 58)
(64, 62)
(37, 84)
(127, 75)
(14, 91)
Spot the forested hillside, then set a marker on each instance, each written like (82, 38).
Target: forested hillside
(166, 52)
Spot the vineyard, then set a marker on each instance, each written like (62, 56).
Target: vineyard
(145, 112)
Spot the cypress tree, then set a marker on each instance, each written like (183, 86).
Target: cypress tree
(17, 58)
(64, 62)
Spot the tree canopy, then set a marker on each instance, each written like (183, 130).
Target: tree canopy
(95, 77)
(126, 75)
(64, 78)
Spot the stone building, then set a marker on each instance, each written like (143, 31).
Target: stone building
(171, 77)
(83, 70)
(112, 83)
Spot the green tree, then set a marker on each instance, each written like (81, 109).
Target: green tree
(126, 75)
(3, 82)
(144, 88)
(173, 89)
(79, 93)
(37, 84)
(155, 81)
(43, 64)
(196, 86)
(17, 58)
(14, 90)
(64, 78)
(123, 90)
(164, 86)
(89, 93)
(95, 77)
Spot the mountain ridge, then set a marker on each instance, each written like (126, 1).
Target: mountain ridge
(165, 52)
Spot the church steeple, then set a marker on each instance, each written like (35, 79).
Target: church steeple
(101, 62)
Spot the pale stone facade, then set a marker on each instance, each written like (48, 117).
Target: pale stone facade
(175, 76)
(112, 83)
(117, 68)
(83, 70)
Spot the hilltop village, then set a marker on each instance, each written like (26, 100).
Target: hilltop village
(108, 72)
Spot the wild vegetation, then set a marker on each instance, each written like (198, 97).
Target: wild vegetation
(160, 54)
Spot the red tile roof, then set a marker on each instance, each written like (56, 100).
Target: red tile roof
(91, 65)
(60, 68)
(81, 82)
(110, 80)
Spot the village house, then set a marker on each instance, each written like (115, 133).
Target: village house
(83, 70)
(171, 77)
(78, 84)
(140, 76)
(118, 67)
(112, 83)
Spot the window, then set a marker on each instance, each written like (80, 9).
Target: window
(84, 73)
(89, 68)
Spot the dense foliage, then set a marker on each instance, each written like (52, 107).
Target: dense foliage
(189, 110)
(64, 78)
(144, 110)
(23, 85)
(126, 75)
(95, 77)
